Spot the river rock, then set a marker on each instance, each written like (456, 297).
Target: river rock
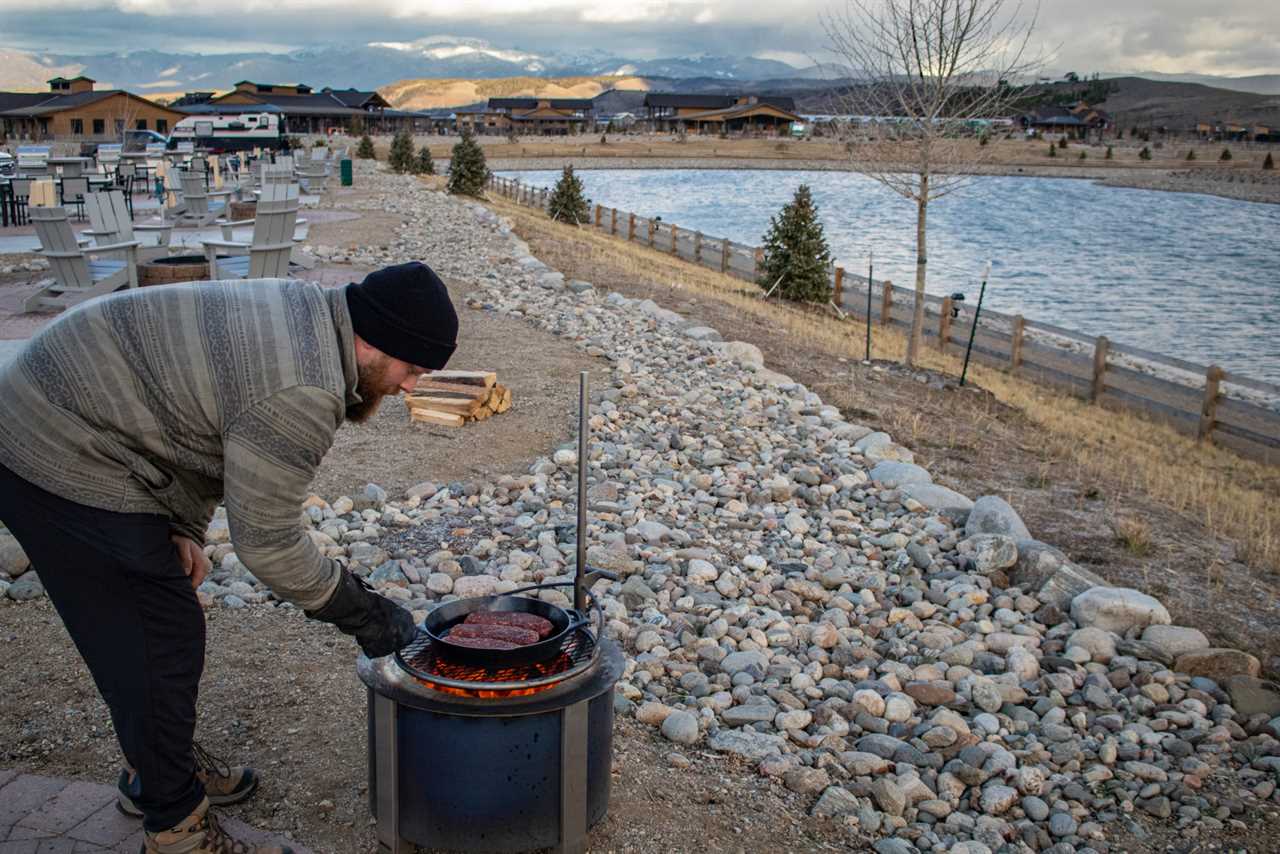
(1174, 641)
(474, 585)
(13, 560)
(835, 802)
(747, 355)
(1117, 609)
(888, 796)
(1066, 583)
(1250, 696)
(1101, 645)
(806, 781)
(989, 552)
(746, 743)
(680, 727)
(26, 588)
(993, 515)
(1217, 664)
(894, 474)
(752, 713)
(751, 662)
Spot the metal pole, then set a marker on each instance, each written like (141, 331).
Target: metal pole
(870, 268)
(580, 577)
(982, 292)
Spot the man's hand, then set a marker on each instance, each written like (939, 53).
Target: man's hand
(194, 563)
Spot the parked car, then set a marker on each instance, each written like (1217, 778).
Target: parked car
(7, 164)
(138, 140)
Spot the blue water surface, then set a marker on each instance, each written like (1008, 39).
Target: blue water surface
(1186, 275)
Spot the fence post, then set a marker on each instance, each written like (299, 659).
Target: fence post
(1209, 408)
(599, 215)
(675, 242)
(653, 229)
(613, 220)
(1015, 346)
(697, 247)
(839, 288)
(886, 303)
(724, 255)
(1099, 367)
(944, 325)
(631, 228)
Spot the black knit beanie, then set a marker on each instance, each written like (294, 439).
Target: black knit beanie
(405, 312)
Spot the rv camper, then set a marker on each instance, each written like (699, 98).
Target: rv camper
(231, 133)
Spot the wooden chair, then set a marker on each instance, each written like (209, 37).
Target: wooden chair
(109, 157)
(76, 276)
(112, 222)
(313, 175)
(73, 192)
(21, 189)
(196, 207)
(267, 256)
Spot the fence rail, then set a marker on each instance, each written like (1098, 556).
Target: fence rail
(1200, 400)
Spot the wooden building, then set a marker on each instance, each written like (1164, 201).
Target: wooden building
(73, 109)
(533, 116)
(666, 112)
(309, 111)
(1076, 121)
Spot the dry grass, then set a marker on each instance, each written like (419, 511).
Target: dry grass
(1134, 534)
(1230, 497)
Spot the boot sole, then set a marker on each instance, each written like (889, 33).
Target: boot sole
(129, 808)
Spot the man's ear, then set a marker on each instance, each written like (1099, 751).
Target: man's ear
(363, 348)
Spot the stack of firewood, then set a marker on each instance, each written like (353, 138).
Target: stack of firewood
(452, 398)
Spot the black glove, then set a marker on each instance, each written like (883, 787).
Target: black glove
(379, 625)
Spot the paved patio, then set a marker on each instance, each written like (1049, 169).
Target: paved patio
(46, 815)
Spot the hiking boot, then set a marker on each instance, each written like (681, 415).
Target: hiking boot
(223, 784)
(199, 833)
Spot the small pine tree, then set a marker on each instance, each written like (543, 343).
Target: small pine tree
(1062, 143)
(1083, 154)
(1144, 154)
(467, 168)
(567, 202)
(1225, 155)
(985, 139)
(1268, 163)
(1191, 154)
(423, 164)
(365, 150)
(796, 256)
(1053, 150)
(1110, 153)
(401, 156)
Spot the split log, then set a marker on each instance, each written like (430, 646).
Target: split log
(472, 378)
(431, 416)
(431, 386)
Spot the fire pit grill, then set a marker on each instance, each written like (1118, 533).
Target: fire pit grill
(493, 755)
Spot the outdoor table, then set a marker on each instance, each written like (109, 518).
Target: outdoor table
(72, 167)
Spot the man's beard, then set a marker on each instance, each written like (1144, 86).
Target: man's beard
(370, 392)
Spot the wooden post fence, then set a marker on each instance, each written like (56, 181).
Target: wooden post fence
(697, 247)
(886, 303)
(724, 255)
(1209, 408)
(599, 215)
(944, 325)
(839, 287)
(653, 229)
(675, 240)
(631, 228)
(613, 220)
(1100, 348)
(1015, 345)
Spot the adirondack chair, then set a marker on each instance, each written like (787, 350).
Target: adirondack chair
(197, 209)
(272, 173)
(77, 277)
(112, 223)
(313, 175)
(267, 256)
(109, 157)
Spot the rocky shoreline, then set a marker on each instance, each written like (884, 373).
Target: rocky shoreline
(1238, 184)
(797, 593)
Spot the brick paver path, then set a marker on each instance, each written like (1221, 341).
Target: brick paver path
(44, 815)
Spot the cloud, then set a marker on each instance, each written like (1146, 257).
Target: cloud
(1226, 37)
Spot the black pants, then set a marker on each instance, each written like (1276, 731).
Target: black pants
(119, 587)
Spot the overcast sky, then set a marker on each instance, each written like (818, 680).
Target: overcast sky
(1232, 37)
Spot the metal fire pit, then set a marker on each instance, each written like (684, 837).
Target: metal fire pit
(493, 754)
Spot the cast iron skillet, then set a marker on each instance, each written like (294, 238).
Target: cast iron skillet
(565, 621)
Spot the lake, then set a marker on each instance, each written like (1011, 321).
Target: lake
(1188, 275)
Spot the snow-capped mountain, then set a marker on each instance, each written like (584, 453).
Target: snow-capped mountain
(367, 66)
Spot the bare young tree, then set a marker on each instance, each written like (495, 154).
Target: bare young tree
(926, 76)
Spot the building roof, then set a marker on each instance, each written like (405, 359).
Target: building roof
(742, 111)
(70, 79)
(18, 100)
(713, 102)
(356, 98)
(612, 101)
(532, 103)
(58, 103)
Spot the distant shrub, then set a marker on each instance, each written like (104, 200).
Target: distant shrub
(1144, 154)
(423, 164)
(1225, 155)
(1084, 155)
(1191, 154)
(1269, 163)
(1062, 143)
(1110, 153)
(567, 202)
(1053, 150)
(797, 259)
(401, 157)
(467, 168)
(985, 139)
(365, 149)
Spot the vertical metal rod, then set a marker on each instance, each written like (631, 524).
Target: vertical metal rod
(982, 292)
(580, 584)
(387, 756)
(573, 778)
(870, 269)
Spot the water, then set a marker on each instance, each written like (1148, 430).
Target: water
(1187, 275)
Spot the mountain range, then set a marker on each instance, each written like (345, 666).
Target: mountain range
(365, 66)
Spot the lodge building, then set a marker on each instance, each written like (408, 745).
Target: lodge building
(74, 109)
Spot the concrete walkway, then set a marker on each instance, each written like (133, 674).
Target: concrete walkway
(45, 815)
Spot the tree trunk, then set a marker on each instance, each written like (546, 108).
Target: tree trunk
(917, 315)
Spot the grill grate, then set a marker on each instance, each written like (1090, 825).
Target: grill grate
(423, 660)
